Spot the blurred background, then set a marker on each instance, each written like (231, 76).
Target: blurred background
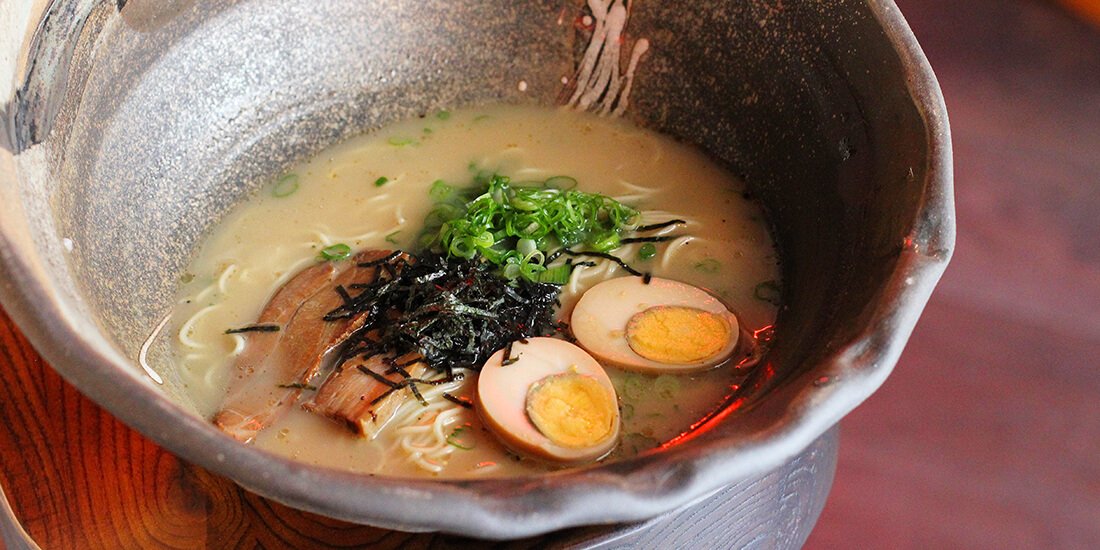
(987, 435)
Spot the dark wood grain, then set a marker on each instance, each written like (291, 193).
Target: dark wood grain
(987, 435)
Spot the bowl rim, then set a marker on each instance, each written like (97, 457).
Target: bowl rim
(629, 490)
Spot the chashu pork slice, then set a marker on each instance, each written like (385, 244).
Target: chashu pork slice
(273, 367)
(361, 401)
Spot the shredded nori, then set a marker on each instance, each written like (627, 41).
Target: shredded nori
(626, 267)
(408, 382)
(254, 328)
(662, 225)
(508, 359)
(660, 239)
(460, 401)
(452, 313)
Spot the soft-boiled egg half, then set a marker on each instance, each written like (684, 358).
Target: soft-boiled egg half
(660, 326)
(550, 400)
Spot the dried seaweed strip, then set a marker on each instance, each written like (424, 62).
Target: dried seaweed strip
(656, 226)
(450, 313)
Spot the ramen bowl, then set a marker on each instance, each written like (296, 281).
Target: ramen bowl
(131, 128)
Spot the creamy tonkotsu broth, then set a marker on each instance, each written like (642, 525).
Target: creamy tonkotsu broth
(340, 197)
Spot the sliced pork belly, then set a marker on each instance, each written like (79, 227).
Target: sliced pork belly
(274, 367)
(361, 401)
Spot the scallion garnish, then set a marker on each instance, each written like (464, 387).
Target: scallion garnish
(285, 186)
(338, 251)
(558, 275)
(514, 227)
(666, 386)
(459, 440)
(381, 181)
(634, 387)
(647, 251)
(440, 191)
(709, 265)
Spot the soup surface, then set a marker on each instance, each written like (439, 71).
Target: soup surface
(373, 192)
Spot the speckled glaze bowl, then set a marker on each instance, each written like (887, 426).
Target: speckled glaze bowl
(130, 126)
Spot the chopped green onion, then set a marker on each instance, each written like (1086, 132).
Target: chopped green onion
(480, 118)
(285, 186)
(381, 181)
(400, 141)
(647, 251)
(709, 265)
(767, 291)
(666, 386)
(606, 243)
(526, 247)
(516, 227)
(443, 115)
(392, 237)
(557, 275)
(427, 130)
(635, 387)
(484, 240)
(457, 440)
(338, 251)
(524, 204)
(510, 271)
(440, 191)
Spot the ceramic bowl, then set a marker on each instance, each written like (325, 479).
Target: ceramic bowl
(130, 127)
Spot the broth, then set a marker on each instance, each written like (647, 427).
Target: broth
(373, 192)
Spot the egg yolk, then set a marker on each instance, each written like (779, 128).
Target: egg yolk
(571, 410)
(677, 334)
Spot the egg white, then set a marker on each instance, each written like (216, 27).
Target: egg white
(501, 397)
(600, 318)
